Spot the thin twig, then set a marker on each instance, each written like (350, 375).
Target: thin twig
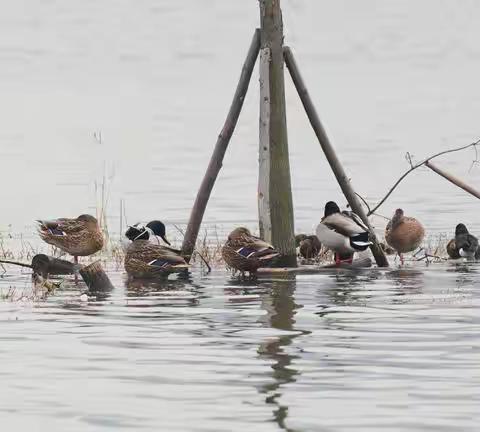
(16, 263)
(365, 202)
(209, 269)
(418, 165)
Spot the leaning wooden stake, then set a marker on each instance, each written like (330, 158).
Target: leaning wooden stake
(330, 154)
(456, 181)
(279, 185)
(216, 160)
(95, 278)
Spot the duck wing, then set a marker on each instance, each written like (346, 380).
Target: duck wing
(253, 247)
(61, 226)
(344, 225)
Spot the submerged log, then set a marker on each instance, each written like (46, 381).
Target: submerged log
(216, 159)
(452, 179)
(47, 265)
(330, 154)
(360, 263)
(95, 277)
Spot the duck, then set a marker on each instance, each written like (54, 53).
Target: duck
(81, 236)
(452, 249)
(152, 231)
(464, 244)
(146, 259)
(342, 232)
(309, 246)
(403, 233)
(246, 253)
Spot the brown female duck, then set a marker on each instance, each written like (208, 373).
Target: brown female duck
(309, 246)
(404, 234)
(78, 237)
(246, 253)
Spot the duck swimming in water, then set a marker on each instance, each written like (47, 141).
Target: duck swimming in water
(466, 244)
(147, 259)
(342, 232)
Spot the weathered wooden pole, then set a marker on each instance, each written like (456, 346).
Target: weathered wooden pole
(330, 154)
(456, 181)
(216, 159)
(275, 183)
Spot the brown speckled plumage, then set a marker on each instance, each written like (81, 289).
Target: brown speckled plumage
(78, 237)
(404, 234)
(309, 246)
(140, 253)
(452, 250)
(261, 252)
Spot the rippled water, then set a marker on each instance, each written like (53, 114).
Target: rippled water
(392, 350)
(387, 350)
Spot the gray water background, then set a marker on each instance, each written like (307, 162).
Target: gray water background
(392, 350)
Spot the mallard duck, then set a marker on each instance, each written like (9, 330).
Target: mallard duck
(464, 244)
(404, 234)
(342, 232)
(151, 231)
(309, 246)
(144, 259)
(244, 252)
(78, 237)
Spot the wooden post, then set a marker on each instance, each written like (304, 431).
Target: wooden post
(279, 186)
(456, 181)
(216, 159)
(95, 278)
(264, 216)
(330, 154)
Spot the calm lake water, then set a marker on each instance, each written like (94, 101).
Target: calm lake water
(389, 350)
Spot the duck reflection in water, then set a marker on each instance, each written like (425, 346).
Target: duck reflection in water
(281, 308)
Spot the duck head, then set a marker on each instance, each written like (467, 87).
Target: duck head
(331, 208)
(158, 228)
(461, 229)
(238, 233)
(88, 219)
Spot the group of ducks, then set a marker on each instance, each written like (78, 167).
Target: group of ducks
(342, 232)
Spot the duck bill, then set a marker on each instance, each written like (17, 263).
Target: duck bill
(165, 240)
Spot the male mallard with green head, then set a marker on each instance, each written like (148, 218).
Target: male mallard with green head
(308, 246)
(147, 259)
(78, 237)
(403, 233)
(342, 232)
(246, 253)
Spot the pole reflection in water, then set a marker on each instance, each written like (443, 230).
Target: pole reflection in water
(281, 309)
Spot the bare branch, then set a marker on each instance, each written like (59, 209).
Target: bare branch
(418, 165)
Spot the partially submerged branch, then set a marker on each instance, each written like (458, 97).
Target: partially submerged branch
(413, 167)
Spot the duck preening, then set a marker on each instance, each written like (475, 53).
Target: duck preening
(246, 253)
(464, 244)
(78, 237)
(308, 245)
(146, 259)
(152, 230)
(403, 233)
(342, 232)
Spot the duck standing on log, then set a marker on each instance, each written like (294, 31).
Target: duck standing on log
(78, 237)
(246, 253)
(342, 232)
(464, 244)
(146, 258)
(403, 233)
